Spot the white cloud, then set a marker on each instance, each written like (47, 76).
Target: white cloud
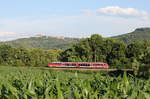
(70, 26)
(118, 11)
(7, 33)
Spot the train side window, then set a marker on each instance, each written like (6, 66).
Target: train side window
(88, 64)
(99, 64)
(80, 64)
(84, 64)
(70, 64)
(67, 64)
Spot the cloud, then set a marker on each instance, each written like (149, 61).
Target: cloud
(69, 26)
(7, 33)
(4, 36)
(118, 11)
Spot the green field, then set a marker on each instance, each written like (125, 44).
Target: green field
(23, 83)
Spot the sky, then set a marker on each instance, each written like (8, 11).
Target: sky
(71, 18)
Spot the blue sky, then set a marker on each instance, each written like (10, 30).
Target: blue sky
(71, 18)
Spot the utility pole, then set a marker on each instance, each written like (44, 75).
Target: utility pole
(95, 56)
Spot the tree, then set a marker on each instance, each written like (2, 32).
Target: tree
(6, 52)
(117, 55)
(96, 42)
(22, 56)
(53, 54)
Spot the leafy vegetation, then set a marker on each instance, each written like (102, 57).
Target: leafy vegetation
(19, 83)
(43, 42)
(140, 34)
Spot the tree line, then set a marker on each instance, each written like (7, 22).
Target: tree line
(116, 53)
(21, 56)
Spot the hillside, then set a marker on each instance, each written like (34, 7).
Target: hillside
(140, 34)
(44, 42)
(48, 42)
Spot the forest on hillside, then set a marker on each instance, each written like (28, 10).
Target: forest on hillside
(44, 42)
(116, 53)
(140, 34)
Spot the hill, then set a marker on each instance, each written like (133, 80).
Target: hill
(140, 34)
(48, 42)
(44, 42)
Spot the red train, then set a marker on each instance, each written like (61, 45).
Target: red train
(84, 65)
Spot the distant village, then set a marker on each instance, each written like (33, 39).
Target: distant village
(57, 37)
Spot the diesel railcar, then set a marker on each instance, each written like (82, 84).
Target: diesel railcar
(86, 65)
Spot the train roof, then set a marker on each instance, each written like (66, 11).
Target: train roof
(80, 62)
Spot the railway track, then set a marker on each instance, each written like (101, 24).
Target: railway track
(77, 68)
